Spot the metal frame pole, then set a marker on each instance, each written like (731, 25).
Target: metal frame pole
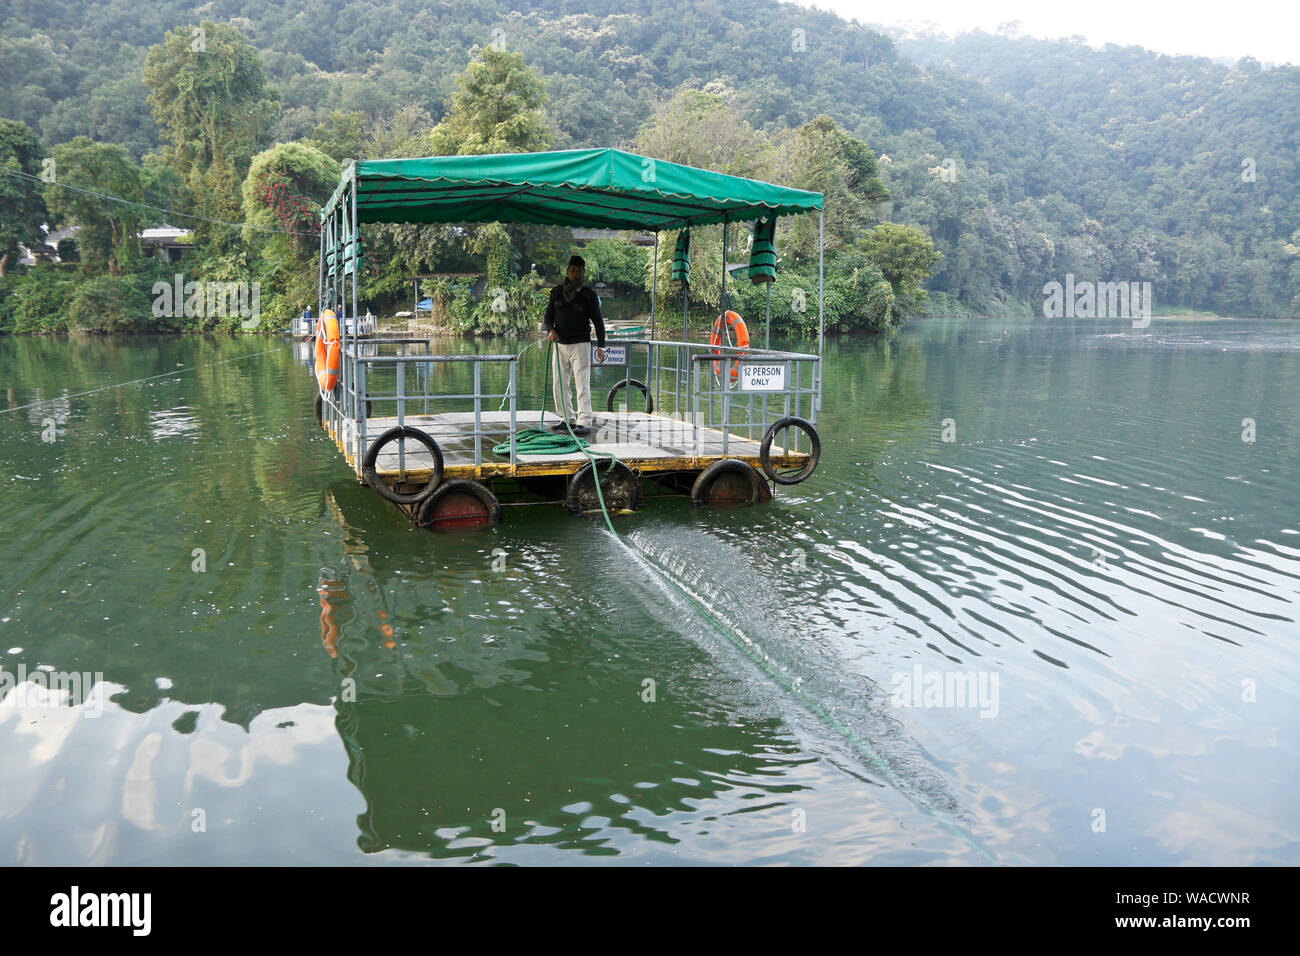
(359, 409)
(686, 313)
(723, 302)
(821, 295)
(320, 274)
(356, 251)
(652, 367)
(767, 334)
(654, 285)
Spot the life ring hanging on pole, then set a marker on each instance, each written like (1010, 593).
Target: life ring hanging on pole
(735, 323)
(329, 351)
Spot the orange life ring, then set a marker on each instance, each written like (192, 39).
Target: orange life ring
(737, 325)
(329, 351)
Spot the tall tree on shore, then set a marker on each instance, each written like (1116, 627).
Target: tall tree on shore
(110, 231)
(497, 108)
(22, 207)
(210, 97)
(821, 157)
(283, 194)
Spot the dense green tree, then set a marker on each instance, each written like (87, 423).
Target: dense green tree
(22, 207)
(210, 97)
(496, 109)
(85, 172)
(283, 194)
(904, 255)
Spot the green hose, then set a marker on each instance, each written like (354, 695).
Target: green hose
(539, 441)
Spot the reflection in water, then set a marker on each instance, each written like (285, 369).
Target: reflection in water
(454, 730)
(284, 653)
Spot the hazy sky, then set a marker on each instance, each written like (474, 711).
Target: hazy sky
(1268, 31)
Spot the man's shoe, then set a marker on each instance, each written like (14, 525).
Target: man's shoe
(560, 428)
(581, 430)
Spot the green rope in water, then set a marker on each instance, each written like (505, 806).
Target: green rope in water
(791, 685)
(551, 440)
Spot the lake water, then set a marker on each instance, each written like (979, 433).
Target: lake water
(1078, 543)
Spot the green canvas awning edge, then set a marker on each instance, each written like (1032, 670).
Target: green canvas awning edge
(595, 188)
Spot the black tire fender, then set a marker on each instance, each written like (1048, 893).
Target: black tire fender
(759, 492)
(601, 470)
(815, 454)
(629, 383)
(371, 475)
(459, 486)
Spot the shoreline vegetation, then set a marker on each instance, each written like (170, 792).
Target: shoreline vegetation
(945, 196)
(667, 330)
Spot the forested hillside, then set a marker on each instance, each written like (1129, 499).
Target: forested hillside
(1023, 160)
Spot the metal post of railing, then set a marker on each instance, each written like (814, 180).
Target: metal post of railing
(786, 392)
(726, 418)
(627, 380)
(713, 398)
(362, 446)
(677, 384)
(513, 380)
(401, 393)
(649, 373)
(693, 392)
(798, 386)
(478, 413)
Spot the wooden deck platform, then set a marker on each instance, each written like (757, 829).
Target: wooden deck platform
(648, 443)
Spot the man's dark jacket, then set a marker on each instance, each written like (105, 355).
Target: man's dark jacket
(572, 321)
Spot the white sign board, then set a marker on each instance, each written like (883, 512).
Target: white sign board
(614, 355)
(762, 378)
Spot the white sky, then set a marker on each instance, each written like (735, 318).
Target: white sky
(1269, 30)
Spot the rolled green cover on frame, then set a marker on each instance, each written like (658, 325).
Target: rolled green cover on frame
(762, 258)
(682, 258)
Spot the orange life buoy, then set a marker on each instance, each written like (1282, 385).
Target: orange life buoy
(329, 351)
(737, 325)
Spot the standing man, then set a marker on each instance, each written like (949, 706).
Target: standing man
(571, 312)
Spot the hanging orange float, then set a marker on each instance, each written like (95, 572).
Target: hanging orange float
(734, 322)
(329, 351)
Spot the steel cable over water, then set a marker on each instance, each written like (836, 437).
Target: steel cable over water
(134, 381)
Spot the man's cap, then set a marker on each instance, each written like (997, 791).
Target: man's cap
(577, 261)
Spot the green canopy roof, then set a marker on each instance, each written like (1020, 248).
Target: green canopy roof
(596, 188)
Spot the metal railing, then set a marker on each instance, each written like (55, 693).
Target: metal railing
(406, 382)
(700, 407)
(705, 387)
